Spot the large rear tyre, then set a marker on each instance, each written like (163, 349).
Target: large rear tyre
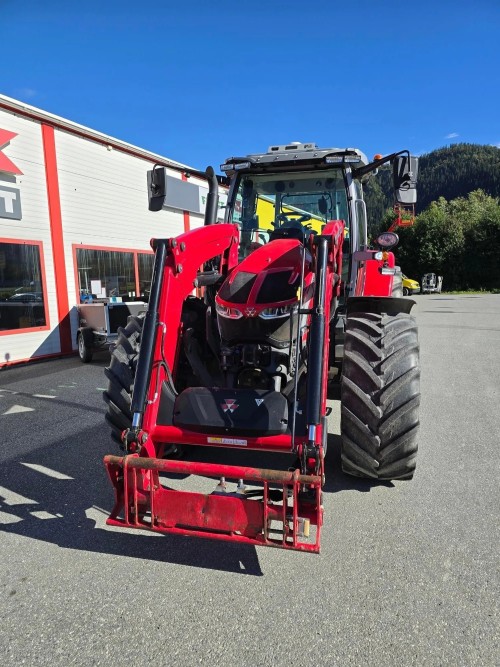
(380, 396)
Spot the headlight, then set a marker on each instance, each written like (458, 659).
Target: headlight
(230, 313)
(277, 311)
(387, 240)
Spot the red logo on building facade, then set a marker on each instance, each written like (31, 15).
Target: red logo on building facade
(7, 165)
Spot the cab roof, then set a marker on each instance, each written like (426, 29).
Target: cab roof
(296, 156)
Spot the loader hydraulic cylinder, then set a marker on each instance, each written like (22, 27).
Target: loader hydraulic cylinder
(317, 336)
(149, 333)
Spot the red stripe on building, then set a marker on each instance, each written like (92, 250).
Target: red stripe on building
(56, 232)
(186, 213)
(136, 274)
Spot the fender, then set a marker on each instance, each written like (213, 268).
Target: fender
(375, 273)
(378, 304)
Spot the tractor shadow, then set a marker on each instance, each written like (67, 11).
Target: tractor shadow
(71, 512)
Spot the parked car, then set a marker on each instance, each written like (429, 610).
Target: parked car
(26, 297)
(410, 286)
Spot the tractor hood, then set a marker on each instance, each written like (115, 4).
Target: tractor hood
(257, 299)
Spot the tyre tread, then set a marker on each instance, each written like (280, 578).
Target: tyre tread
(380, 396)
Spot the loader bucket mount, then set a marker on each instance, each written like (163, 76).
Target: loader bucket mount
(288, 514)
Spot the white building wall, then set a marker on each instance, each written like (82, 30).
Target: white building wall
(104, 199)
(104, 204)
(26, 151)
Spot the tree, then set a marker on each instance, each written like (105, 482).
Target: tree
(459, 240)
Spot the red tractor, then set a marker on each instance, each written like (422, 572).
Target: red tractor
(294, 308)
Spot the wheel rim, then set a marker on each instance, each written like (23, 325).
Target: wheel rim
(81, 347)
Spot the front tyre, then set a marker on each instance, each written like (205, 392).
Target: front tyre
(380, 396)
(121, 376)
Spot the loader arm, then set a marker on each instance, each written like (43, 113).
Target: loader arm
(176, 270)
(282, 509)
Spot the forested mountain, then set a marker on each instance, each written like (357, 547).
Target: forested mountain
(448, 172)
(457, 228)
(457, 170)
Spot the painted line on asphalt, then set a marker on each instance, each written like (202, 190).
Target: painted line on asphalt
(44, 515)
(44, 396)
(46, 471)
(12, 498)
(16, 409)
(6, 518)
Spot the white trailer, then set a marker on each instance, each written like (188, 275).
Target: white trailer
(431, 283)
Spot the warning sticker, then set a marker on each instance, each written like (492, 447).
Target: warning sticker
(226, 441)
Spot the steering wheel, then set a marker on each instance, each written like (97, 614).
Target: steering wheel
(284, 218)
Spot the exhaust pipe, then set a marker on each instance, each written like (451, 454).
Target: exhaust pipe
(212, 197)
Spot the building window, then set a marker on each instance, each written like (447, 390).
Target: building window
(22, 300)
(113, 273)
(105, 273)
(145, 265)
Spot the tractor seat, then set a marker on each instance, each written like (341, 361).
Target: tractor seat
(288, 233)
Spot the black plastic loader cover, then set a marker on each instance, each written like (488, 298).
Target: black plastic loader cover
(255, 412)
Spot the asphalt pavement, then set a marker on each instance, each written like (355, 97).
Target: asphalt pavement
(408, 573)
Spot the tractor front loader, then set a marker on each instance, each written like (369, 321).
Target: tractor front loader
(294, 306)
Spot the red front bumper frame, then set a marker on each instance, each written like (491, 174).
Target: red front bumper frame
(290, 504)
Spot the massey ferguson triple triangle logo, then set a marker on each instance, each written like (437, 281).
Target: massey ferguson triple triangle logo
(230, 405)
(10, 198)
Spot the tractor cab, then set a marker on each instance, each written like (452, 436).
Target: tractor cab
(293, 191)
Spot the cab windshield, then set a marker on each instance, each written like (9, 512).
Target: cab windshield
(264, 203)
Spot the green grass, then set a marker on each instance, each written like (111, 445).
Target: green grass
(495, 290)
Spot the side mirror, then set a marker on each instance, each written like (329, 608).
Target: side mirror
(165, 190)
(404, 173)
(157, 187)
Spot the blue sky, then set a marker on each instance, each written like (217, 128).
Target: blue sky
(200, 81)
